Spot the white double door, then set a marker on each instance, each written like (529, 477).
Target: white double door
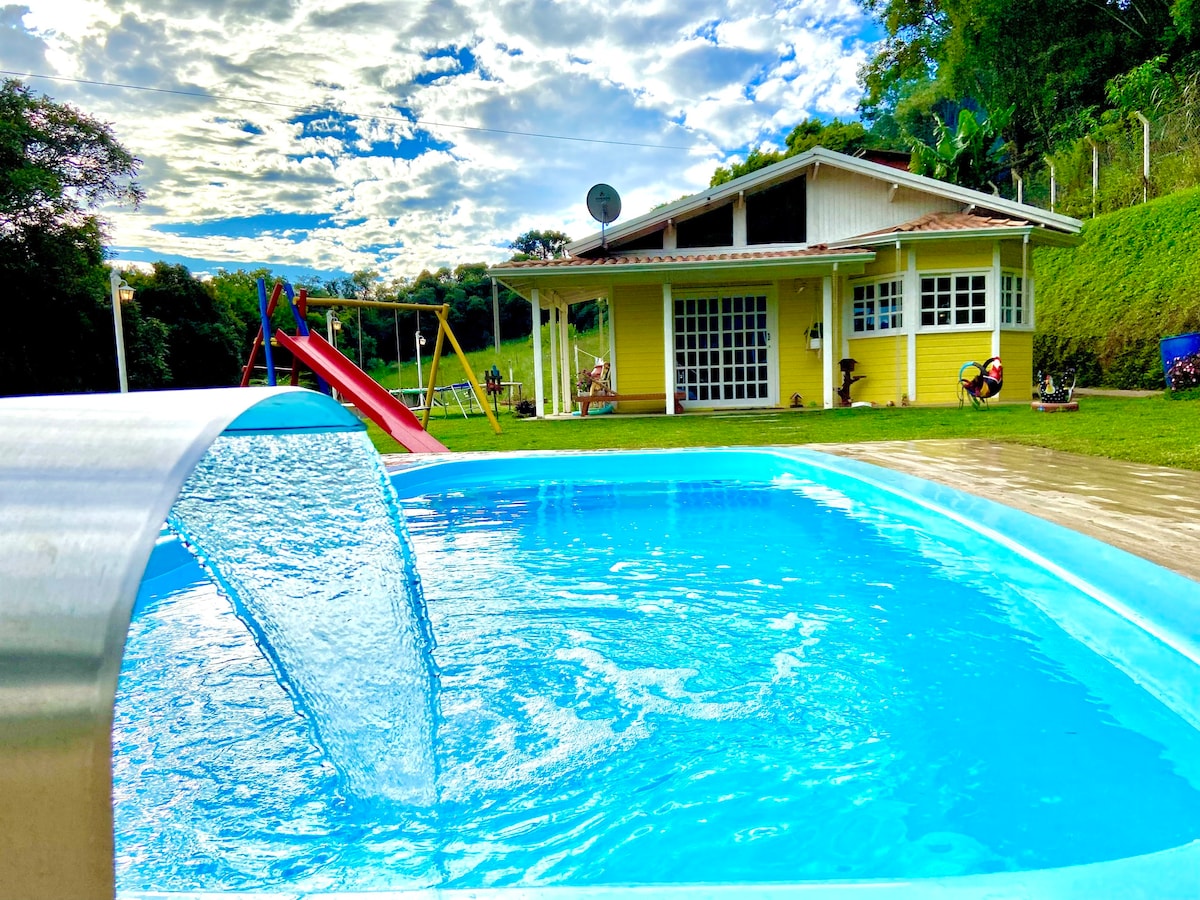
(724, 349)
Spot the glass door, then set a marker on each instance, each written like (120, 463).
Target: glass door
(723, 349)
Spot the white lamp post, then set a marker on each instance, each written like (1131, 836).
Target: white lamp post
(420, 343)
(332, 324)
(121, 293)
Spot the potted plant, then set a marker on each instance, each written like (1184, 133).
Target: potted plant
(815, 333)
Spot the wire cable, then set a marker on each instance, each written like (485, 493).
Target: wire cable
(376, 116)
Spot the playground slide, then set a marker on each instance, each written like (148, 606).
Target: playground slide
(360, 389)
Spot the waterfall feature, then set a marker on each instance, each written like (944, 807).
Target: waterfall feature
(316, 560)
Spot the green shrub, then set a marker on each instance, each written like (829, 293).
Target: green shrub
(1103, 307)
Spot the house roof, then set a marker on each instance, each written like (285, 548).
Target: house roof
(940, 223)
(574, 278)
(818, 156)
(650, 259)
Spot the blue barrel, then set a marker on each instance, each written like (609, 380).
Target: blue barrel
(1174, 347)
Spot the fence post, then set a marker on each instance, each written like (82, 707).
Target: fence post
(1095, 173)
(1145, 155)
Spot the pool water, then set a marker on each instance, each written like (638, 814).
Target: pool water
(661, 682)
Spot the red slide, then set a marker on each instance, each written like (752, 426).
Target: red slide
(360, 389)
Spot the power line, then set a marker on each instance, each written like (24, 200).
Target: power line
(377, 117)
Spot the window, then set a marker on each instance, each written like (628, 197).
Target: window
(877, 307)
(710, 229)
(777, 215)
(1013, 308)
(721, 345)
(953, 300)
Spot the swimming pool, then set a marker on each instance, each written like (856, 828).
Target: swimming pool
(771, 670)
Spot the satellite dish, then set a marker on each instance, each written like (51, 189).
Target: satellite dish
(603, 203)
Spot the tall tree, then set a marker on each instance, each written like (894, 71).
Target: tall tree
(540, 245)
(844, 137)
(202, 334)
(1049, 60)
(56, 166)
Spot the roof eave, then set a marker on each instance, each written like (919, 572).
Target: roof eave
(1036, 234)
(676, 265)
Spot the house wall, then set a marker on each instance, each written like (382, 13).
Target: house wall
(1016, 353)
(948, 256)
(940, 356)
(884, 362)
(843, 204)
(799, 367)
(638, 329)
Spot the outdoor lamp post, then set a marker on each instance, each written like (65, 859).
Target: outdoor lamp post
(420, 344)
(332, 324)
(121, 293)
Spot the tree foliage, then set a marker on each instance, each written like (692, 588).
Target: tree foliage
(540, 245)
(844, 137)
(970, 154)
(56, 164)
(1048, 60)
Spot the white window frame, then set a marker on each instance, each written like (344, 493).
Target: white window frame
(1015, 309)
(882, 300)
(981, 293)
(769, 349)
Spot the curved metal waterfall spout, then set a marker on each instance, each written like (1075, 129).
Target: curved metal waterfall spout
(85, 484)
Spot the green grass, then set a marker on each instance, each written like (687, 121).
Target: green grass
(1150, 430)
(1146, 430)
(1103, 306)
(515, 357)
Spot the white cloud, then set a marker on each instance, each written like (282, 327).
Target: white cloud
(403, 193)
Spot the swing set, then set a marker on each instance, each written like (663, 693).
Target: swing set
(333, 369)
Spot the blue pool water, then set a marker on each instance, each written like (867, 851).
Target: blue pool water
(667, 669)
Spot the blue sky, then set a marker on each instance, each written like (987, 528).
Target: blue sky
(400, 135)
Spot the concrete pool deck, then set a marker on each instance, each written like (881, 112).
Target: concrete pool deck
(1150, 511)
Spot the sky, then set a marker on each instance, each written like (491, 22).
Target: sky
(324, 137)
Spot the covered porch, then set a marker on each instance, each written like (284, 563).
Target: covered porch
(719, 328)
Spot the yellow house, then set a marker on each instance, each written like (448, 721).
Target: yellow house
(748, 294)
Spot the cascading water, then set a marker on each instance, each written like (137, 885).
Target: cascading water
(316, 560)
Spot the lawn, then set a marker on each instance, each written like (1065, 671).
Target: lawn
(1151, 430)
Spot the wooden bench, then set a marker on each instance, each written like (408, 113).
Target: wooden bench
(586, 400)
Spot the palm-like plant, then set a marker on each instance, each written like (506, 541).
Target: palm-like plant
(970, 154)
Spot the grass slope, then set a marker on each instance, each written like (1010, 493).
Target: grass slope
(1149, 430)
(1103, 306)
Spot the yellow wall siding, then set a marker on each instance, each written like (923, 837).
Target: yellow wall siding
(883, 266)
(936, 256)
(1016, 353)
(638, 363)
(884, 362)
(799, 367)
(941, 356)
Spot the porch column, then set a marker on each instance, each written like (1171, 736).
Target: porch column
(564, 367)
(994, 298)
(668, 349)
(539, 403)
(554, 379)
(912, 319)
(612, 341)
(828, 354)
